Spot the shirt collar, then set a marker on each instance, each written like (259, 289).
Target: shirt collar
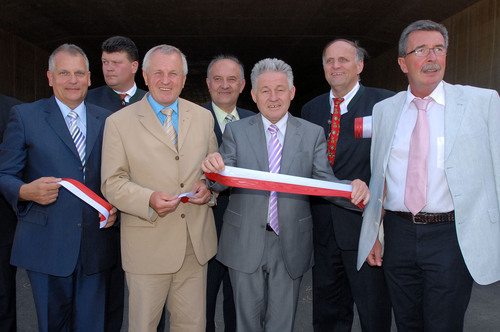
(130, 92)
(437, 94)
(157, 107)
(347, 98)
(281, 124)
(80, 110)
(220, 114)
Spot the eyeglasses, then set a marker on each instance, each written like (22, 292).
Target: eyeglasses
(424, 51)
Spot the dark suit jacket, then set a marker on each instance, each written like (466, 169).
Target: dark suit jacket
(352, 161)
(8, 218)
(105, 97)
(49, 238)
(241, 245)
(223, 198)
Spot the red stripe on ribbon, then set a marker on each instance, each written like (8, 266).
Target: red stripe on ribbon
(247, 183)
(358, 128)
(91, 195)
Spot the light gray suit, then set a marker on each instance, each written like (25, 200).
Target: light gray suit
(243, 239)
(472, 167)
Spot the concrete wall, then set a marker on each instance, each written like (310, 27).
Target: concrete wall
(473, 54)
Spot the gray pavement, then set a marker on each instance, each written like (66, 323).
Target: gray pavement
(483, 314)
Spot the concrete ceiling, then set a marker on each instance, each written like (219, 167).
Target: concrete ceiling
(295, 31)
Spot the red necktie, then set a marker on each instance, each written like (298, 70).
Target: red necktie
(416, 175)
(123, 96)
(334, 133)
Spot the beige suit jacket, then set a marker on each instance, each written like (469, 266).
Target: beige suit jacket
(138, 158)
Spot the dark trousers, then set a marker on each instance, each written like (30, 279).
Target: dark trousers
(428, 280)
(337, 285)
(73, 303)
(7, 291)
(217, 273)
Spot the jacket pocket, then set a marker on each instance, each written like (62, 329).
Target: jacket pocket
(35, 216)
(232, 218)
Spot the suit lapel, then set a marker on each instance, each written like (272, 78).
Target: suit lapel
(93, 128)
(58, 124)
(257, 140)
(150, 121)
(453, 113)
(292, 139)
(185, 116)
(390, 116)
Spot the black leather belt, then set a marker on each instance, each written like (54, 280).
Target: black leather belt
(425, 218)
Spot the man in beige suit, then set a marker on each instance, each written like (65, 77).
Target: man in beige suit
(151, 154)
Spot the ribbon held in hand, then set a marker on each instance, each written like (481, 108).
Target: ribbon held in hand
(88, 196)
(252, 179)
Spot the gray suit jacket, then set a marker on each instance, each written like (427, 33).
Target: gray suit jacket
(241, 245)
(472, 166)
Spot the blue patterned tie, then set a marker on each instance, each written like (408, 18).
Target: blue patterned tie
(77, 135)
(274, 154)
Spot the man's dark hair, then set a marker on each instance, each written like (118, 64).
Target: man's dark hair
(121, 44)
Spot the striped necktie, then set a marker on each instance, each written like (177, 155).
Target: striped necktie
(77, 135)
(227, 119)
(274, 155)
(169, 125)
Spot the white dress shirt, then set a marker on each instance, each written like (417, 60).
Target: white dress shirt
(438, 193)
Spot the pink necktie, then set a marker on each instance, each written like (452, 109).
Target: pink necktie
(274, 154)
(416, 177)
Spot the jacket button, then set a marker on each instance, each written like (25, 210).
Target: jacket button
(182, 185)
(176, 157)
(183, 216)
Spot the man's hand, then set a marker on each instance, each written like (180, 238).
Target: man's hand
(42, 191)
(111, 218)
(375, 256)
(359, 192)
(201, 192)
(213, 163)
(163, 203)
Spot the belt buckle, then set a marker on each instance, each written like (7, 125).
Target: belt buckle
(415, 221)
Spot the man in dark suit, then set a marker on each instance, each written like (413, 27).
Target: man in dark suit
(266, 238)
(58, 239)
(120, 62)
(8, 222)
(336, 283)
(225, 81)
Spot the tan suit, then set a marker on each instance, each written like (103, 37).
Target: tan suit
(138, 159)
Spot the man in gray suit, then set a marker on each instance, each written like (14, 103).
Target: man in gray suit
(267, 250)
(442, 235)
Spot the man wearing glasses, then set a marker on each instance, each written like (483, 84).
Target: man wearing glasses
(435, 181)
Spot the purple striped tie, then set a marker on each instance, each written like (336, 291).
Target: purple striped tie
(274, 155)
(77, 135)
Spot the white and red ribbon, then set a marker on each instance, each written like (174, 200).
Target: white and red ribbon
(252, 179)
(363, 127)
(88, 196)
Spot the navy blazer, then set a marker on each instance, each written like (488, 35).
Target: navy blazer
(105, 97)
(352, 161)
(50, 238)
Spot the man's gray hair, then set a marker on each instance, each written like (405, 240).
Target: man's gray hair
(271, 65)
(422, 25)
(361, 53)
(71, 49)
(226, 57)
(165, 49)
